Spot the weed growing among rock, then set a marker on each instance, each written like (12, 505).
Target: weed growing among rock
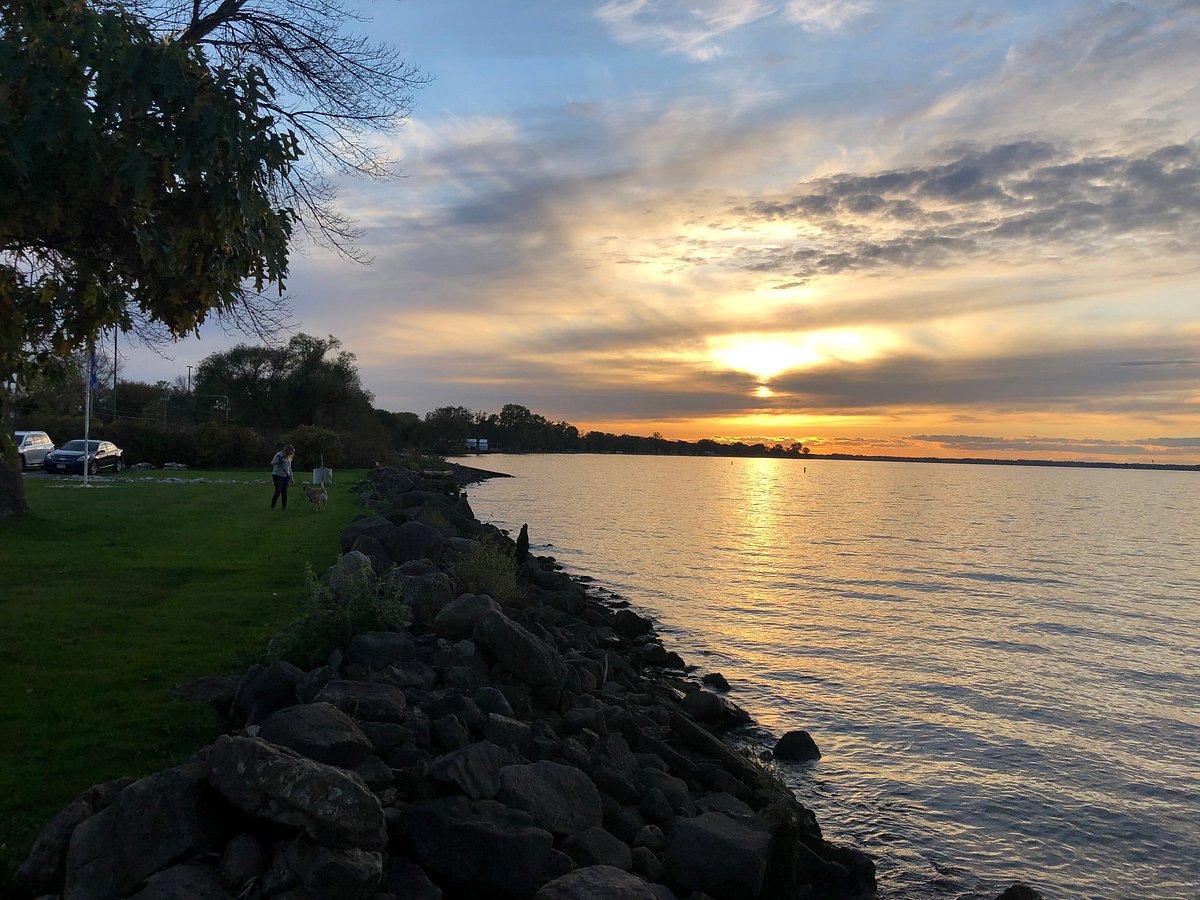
(490, 569)
(335, 615)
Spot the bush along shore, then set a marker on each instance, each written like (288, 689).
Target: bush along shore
(454, 718)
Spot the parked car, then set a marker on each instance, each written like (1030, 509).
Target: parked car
(70, 456)
(32, 448)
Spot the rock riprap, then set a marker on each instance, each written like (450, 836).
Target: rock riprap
(540, 748)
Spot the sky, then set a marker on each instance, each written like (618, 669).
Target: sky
(913, 228)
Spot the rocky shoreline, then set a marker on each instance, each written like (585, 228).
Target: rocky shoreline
(547, 746)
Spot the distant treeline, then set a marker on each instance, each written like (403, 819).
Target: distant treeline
(241, 404)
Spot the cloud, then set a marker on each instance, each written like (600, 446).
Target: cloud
(1023, 200)
(697, 29)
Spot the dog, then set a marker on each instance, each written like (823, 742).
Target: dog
(316, 495)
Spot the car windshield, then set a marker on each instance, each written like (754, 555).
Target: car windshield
(79, 445)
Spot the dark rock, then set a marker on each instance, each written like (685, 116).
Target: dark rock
(716, 855)
(335, 874)
(365, 700)
(384, 736)
(725, 803)
(427, 592)
(450, 733)
(675, 789)
(456, 620)
(375, 773)
(477, 846)
(414, 540)
(570, 602)
(405, 880)
(493, 702)
(581, 717)
(150, 825)
(376, 527)
(704, 707)
(455, 703)
(376, 650)
(595, 882)
(511, 733)
(557, 865)
(319, 731)
(596, 847)
(796, 746)
(715, 680)
(649, 866)
(369, 546)
(1019, 891)
(44, 870)
(310, 685)
(623, 821)
(414, 674)
(475, 769)
(183, 883)
(264, 691)
(651, 837)
(629, 624)
(242, 859)
(614, 749)
(530, 659)
(655, 806)
(560, 798)
(353, 569)
(616, 783)
(708, 744)
(330, 805)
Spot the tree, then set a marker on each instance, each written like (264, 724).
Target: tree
(338, 90)
(140, 185)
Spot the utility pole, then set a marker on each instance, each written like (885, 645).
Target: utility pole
(189, 379)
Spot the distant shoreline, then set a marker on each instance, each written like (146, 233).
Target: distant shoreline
(945, 460)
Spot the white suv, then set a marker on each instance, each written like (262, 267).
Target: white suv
(32, 448)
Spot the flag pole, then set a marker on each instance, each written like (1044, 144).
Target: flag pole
(87, 408)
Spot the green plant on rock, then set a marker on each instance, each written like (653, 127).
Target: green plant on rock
(490, 569)
(335, 616)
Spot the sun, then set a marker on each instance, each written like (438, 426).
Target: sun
(765, 357)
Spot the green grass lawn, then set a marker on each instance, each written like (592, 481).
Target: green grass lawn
(111, 595)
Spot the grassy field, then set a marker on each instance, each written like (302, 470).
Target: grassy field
(112, 594)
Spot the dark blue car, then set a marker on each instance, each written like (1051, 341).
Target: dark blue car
(69, 458)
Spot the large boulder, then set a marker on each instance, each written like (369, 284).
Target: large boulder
(475, 769)
(596, 847)
(534, 662)
(189, 882)
(456, 620)
(376, 650)
(319, 731)
(718, 856)
(796, 746)
(561, 799)
(335, 874)
(354, 567)
(151, 824)
(365, 700)
(376, 527)
(332, 806)
(594, 883)
(414, 540)
(477, 846)
(266, 690)
(45, 868)
(424, 589)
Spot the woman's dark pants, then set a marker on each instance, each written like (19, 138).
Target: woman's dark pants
(281, 486)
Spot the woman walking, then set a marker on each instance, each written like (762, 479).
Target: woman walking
(281, 473)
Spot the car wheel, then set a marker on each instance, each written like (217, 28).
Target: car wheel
(93, 468)
(117, 466)
(21, 462)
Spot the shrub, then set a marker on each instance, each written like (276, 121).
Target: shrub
(490, 569)
(334, 617)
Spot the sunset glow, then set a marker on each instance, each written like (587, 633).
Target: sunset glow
(904, 227)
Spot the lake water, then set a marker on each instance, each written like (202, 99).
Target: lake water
(1001, 665)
